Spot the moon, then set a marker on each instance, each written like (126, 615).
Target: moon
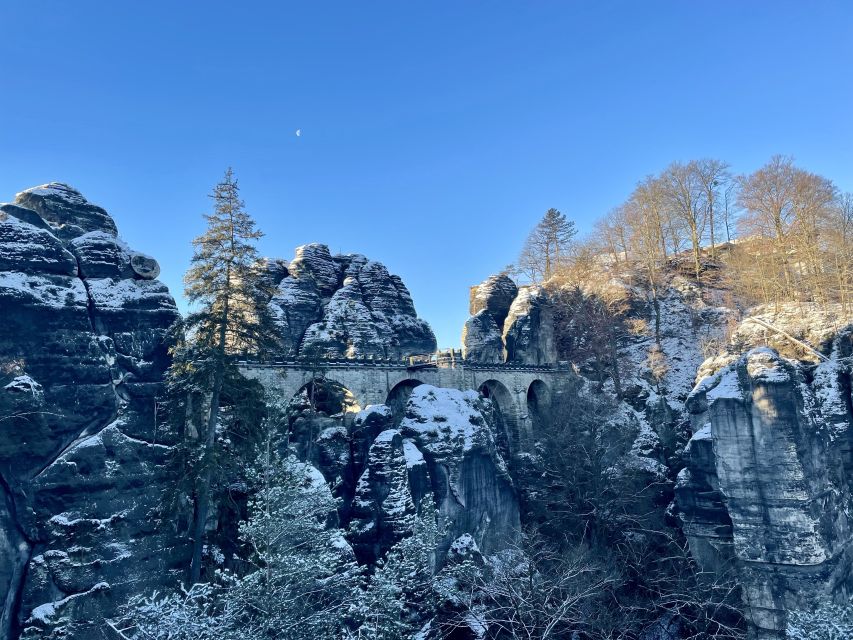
(299, 133)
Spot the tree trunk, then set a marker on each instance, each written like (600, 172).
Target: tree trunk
(656, 306)
(711, 224)
(697, 250)
(203, 497)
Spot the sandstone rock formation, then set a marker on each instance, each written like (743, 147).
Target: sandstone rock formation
(509, 324)
(82, 353)
(481, 339)
(454, 432)
(344, 307)
(443, 450)
(767, 484)
(528, 331)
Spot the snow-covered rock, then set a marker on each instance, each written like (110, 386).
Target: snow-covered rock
(472, 487)
(82, 355)
(346, 307)
(494, 295)
(767, 484)
(528, 331)
(481, 339)
(382, 508)
(509, 324)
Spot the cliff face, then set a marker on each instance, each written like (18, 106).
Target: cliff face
(509, 324)
(767, 486)
(344, 307)
(443, 448)
(82, 353)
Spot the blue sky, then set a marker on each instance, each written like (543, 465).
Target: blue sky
(435, 134)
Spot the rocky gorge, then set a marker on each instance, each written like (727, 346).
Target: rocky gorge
(760, 482)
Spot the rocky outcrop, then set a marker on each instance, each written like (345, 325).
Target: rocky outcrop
(767, 484)
(82, 354)
(442, 450)
(509, 324)
(494, 295)
(345, 307)
(454, 432)
(383, 507)
(481, 339)
(528, 331)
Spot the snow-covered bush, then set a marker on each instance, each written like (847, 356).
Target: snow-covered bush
(299, 581)
(399, 597)
(827, 622)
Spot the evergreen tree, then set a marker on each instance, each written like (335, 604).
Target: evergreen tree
(299, 580)
(545, 245)
(230, 317)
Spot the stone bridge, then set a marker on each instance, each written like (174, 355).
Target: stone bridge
(521, 393)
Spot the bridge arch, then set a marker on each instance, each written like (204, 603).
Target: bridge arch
(326, 395)
(319, 404)
(538, 403)
(507, 416)
(398, 396)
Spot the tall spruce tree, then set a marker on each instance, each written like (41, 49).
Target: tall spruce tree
(230, 317)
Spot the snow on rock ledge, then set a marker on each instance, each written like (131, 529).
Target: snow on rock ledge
(454, 432)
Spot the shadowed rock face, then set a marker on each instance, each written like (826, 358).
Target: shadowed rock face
(481, 339)
(768, 480)
(509, 324)
(454, 432)
(494, 295)
(528, 331)
(345, 307)
(82, 354)
(443, 450)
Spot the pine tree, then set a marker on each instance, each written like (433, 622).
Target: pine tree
(231, 317)
(545, 246)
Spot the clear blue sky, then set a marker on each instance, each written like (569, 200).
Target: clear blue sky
(435, 134)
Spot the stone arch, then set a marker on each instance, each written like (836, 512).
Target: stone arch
(538, 403)
(317, 419)
(328, 396)
(399, 396)
(506, 416)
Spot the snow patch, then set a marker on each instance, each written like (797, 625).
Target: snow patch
(55, 292)
(414, 457)
(56, 190)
